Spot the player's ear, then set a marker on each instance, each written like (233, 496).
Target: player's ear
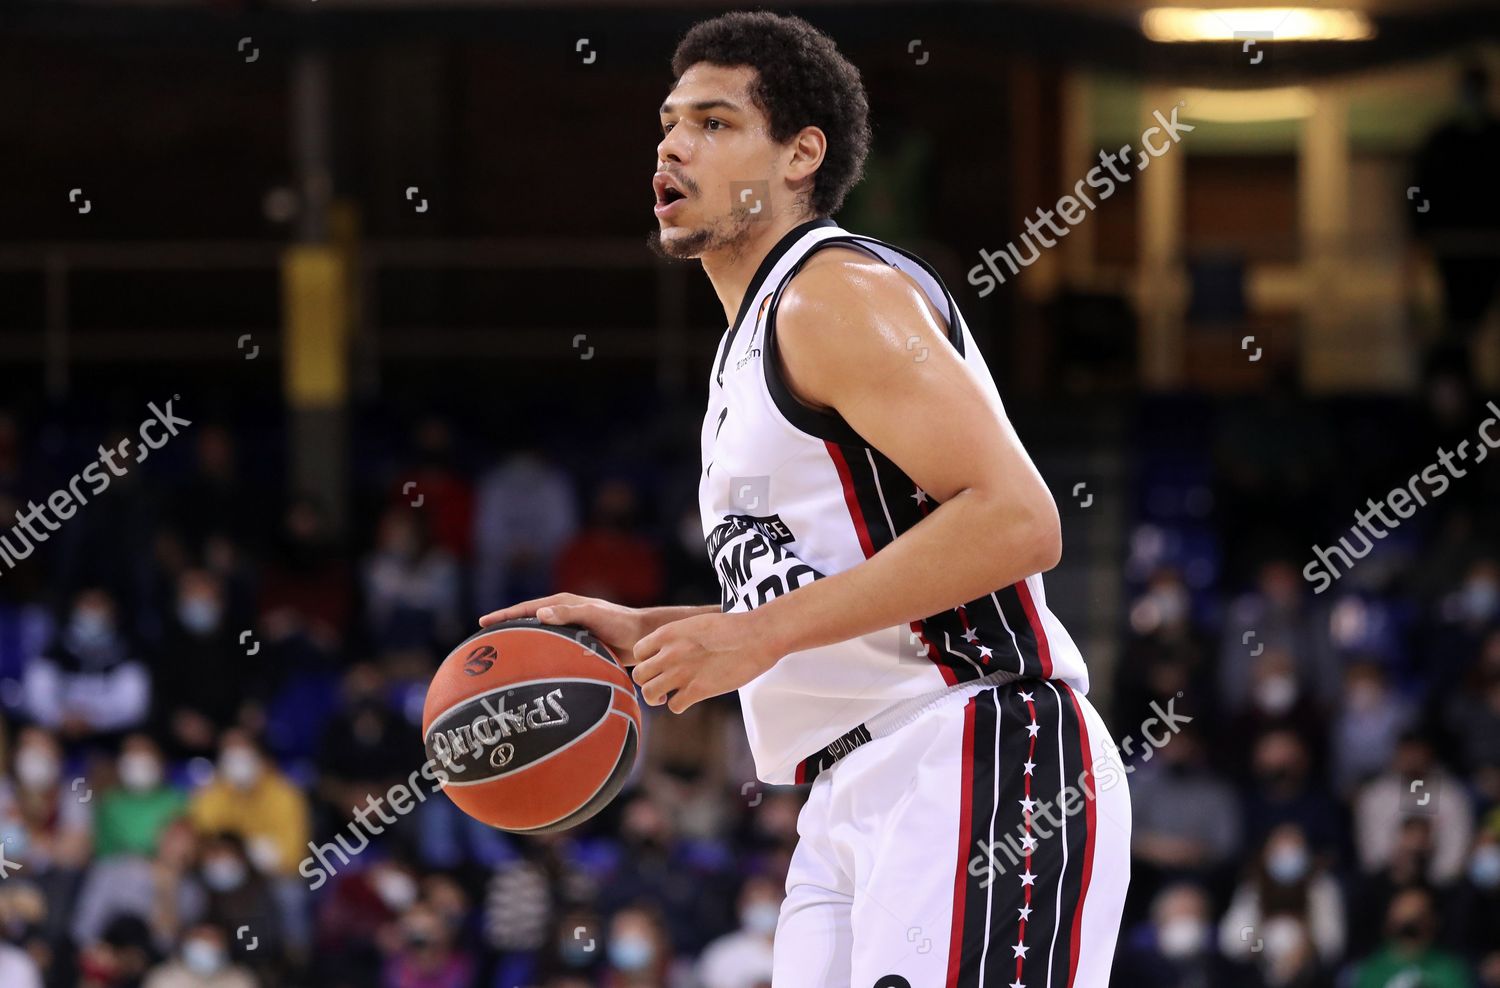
(805, 153)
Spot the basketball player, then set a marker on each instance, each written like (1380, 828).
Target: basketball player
(879, 535)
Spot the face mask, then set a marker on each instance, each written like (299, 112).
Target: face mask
(199, 614)
(202, 958)
(1180, 938)
(1287, 865)
(223, 874)
(240, 767)
(1283, 935)
(760, 917)
(1276, 694)
(396, 889)
(1480, 599)
(1484, 867)
(631, 953)
(37, 769)
(90, 628)
(139, 771)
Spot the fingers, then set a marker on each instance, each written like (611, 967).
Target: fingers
(525, 609)
(655, 679)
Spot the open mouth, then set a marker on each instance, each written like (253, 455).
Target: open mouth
(671, 195)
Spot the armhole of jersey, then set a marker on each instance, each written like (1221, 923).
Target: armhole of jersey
(828, 426)
(831, 426)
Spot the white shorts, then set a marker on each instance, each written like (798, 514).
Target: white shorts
(985, 843)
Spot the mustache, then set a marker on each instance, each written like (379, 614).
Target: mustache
(687, 184)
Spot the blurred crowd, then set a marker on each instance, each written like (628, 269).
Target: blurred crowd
(200, 680)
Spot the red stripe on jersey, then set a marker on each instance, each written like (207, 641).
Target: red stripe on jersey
(1043, 651)
(850, 498)
(1090, 823)
(965, 834)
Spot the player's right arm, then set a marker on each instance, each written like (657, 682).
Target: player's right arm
(616, 625)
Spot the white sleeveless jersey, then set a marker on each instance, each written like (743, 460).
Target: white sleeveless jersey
(790, 494)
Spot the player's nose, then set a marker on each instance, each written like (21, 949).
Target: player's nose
(672, 148)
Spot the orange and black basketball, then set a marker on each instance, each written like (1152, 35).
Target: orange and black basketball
(534, 725)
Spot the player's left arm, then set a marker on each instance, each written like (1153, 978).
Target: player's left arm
(843, 329)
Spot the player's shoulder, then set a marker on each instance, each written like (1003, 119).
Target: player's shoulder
(839, 283)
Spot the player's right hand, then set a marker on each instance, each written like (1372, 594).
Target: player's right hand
(615, 625)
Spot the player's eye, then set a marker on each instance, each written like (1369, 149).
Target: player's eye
(666, 129)
(714, 123)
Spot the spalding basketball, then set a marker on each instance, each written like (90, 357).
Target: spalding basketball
(534, 726)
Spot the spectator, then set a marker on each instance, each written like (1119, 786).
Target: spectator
(1278, 700)
(742, 959)
(638, 951)
(365, 748)
(609, 559)
(1472, 718)
(120, 958)
(1186, 819)
(235, 896)
(1476, 907)
(411, 584)
(527, 511)
(202, 962)
(680, 881)
(1366, 727)
(576, 947)
(307, 588)
(424, 956)
(251, 798)
(217, 499)
(133, 814)
(46, 827)
(1408, 956)
(1414, 783)
(90, 685)
(1287, 882)
(132, 818)
(524, 897)
(446, 494)
(1175, 948)
(1284, 791)
(203, 683)
(17, 969)
(1277, 615)
(352, 918)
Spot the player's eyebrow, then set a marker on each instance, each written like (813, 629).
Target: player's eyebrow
(705, 104)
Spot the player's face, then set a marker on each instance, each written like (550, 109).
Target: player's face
(714, 141)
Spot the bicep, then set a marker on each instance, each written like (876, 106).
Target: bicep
(882, 359)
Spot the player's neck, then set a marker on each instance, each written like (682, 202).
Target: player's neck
(730, 270)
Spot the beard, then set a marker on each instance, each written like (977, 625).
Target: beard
(729, 234)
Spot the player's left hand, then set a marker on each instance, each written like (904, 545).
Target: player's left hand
(693, 659)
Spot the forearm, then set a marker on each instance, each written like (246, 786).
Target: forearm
(963, 550)
(658, 616)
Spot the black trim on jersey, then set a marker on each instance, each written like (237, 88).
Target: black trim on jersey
(761, 272)
(992, 912)
(830, 426)
(887, 490)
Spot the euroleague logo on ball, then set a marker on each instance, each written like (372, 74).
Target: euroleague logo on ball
(480, 660)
